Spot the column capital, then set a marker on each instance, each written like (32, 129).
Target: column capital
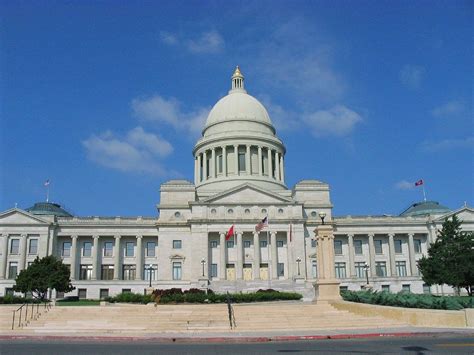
(74, 236)
(371, 235)
(139, 236)
(117, 237)
(24, 235)
(350, 235)
(391, 235)
(5, 235)
(95, 237)
(411, 234)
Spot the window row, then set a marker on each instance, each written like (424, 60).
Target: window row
(378, 246)
(15, 246)
(129, 272)
(247, 244)
(108, 249)
(361, 269)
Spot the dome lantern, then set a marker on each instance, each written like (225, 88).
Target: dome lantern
(237, 81)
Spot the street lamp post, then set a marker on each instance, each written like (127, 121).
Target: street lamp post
(203, 262)
(322, 215)
(366, 268)
(298, 261)
(150, 270)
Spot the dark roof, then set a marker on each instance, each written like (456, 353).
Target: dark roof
(425, 208)
(48, 208)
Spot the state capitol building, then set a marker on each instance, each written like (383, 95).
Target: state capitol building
(239, 179)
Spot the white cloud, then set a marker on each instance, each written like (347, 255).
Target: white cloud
(337, 121)
(282, 119)
(412, 75)
(405, 185)
(448, 144)
(169, 111)
(451, 108)
(137, 152)
(205, 43)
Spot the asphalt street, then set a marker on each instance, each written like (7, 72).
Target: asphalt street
(439, 344)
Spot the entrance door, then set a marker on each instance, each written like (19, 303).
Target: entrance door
(247, 272)
(230, 272)
(263, 271)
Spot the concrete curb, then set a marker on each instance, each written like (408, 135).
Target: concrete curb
(218, 339)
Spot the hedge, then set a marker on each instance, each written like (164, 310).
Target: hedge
(130, 297)
(409, 300)
(9, 299)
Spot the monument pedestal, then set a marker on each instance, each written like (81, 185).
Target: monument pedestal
(149, 290)
(327, 290)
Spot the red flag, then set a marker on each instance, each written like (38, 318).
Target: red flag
(419, 182)
(230, 233)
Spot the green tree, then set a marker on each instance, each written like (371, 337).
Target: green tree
(450, 258)
(43, 274)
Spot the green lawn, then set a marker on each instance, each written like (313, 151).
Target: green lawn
(78, 303)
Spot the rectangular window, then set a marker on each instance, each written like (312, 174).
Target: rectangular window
(360, 270)
(417, 243)
(230, 244)
(15, 246)
(82, 293)
(280, 244)
(87, 249)
(66, 251)
(150, 249)
(213, 270)
(12, 270)
(86, 272)
(108, 249)
(358, 246)
(426, 289)
(406, 288)
(213, 243)
(343, 288)
(126, 290)
(314, 269)
(398, 246)
(33, 247)
(313, 243)
(378, 246)
(401, 267)
(340, 270)
(129, 249)
(338, 247)
(281, 269)
(219, 164)
(103, 293)
(247, 243)
(129, 272)
(241, 161)
(177, 271)
(107, 272)
(386, 288)
(176, 244)
(153, 272)
(263, 244)
(381, 268)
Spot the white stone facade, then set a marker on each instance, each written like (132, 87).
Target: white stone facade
(239, 179)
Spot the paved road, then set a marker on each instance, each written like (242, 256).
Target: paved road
(442, 344)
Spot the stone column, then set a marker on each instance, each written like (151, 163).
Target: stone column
(260, 167)
(236, 157)
(139, 258)
(256, 256)
(199, 168)
(117, 258)
(240, 256)
(204, 166)
(224, 161)
(327, 286)
(391, 250)
(350, 244)
(411, 254)
(282, 169)
(372, 254)
(3, 257)
(277, 166)
(21, 264)
(213, 163)
(248, 168)
(196, 171)
(95, 257)
(222, 263)
(270, 171)
(274, 253)
(73, 257)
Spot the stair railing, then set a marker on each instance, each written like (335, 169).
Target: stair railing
(34, 312)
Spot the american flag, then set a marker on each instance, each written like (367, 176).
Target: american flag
(46, 183)
(419, 182)
(262, 224)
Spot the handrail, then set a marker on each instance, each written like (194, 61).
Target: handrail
(47, 307)
(230, 310)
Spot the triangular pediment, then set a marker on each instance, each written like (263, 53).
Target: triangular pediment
(247, 193)
(465, 214)
(15, 216)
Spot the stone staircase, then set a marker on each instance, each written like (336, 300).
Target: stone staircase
(124, 319)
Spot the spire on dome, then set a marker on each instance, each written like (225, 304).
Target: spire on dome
(237, 81)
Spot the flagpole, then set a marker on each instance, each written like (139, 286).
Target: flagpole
(47, 192)
(269, 260)
(424, 194)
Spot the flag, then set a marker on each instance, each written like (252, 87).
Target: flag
(291, 234)
(262, 224)
(419, 182)
(230, 233)
(46, 183)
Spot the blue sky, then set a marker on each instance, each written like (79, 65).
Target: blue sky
(107, 98)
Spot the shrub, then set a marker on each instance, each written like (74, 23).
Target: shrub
(130, 297)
